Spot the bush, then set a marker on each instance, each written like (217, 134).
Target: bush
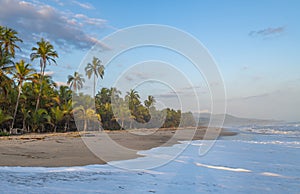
(2, 133)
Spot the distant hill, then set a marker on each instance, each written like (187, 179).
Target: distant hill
(231, 120)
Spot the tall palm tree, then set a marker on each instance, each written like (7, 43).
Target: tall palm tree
(95, 68)
(76, 81)
(22, 73)
(46, 53)
(8, 39)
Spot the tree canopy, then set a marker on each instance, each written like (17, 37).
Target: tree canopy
(31, 101)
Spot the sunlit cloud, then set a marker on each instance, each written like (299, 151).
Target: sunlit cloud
(34, 20)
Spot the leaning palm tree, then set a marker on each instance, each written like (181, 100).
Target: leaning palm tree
(46, 53)
(22, 73)
(76, 81)
(95, 68)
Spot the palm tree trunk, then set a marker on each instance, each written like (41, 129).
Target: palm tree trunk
(85, 120)
(16, 108)
(66, 126)
(24, 124)
(94, 86)
(41, 85)
(130, 123)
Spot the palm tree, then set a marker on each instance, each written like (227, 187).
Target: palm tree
(22, 73)
(5, 82)
(4, 117)
(149, 102)
(58, 115)
(39, 119)
(121, 111)
(68, 109)
(85, 105)
(76, 81)
(8, 39)
(45, 52)
(64, 94)
(95, 68)
(133, 99)
(6, 62)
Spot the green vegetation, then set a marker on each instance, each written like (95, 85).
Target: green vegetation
(30, 101)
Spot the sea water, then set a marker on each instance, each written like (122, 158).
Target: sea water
(260, 159)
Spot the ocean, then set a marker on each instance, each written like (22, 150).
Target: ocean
(260, 159)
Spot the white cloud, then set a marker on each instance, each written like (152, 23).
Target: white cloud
(49, 73)
(83, 5)
(61, 84)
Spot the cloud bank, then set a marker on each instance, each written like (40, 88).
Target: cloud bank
(34, 20)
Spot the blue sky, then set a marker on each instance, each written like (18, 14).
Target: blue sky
(255, 43)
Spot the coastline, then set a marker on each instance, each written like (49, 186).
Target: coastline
(69, 149)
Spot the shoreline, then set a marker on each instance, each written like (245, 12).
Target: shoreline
(68, 149)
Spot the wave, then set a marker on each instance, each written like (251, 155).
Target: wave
(270, 131)
(103, 168)
(223, 168)
(275, 142)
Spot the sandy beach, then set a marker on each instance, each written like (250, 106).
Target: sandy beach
(69, 149)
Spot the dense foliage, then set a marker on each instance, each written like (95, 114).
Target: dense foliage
(30, 101)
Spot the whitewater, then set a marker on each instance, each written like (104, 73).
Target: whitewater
(260, 159)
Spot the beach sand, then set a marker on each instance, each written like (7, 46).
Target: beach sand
(70, 149)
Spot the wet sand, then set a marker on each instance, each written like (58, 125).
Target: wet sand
(73, 149)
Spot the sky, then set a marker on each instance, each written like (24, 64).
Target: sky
(255, 45)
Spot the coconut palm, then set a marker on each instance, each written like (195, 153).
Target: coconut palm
(133, 99)
(121, 111)
(83, 108)
(8, 40)
(6, 83)
(149, 102)
(22, 73)
(39, 119)
(4, 117)
(6, 62)
(46, 53)
(95, 68)
(68, 109)
(57, 116)
(76, 81)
